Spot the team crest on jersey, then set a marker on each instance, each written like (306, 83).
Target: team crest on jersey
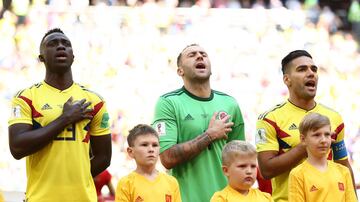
(341, 186)
(221, 115)
(260, 136)
(167, 198)
(16, 111)
(160, 128)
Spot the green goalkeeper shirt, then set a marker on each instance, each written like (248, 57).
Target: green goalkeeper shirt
(181, 116)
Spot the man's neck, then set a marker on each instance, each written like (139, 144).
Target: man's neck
(302, 103)
(60, 82)
(202, 90)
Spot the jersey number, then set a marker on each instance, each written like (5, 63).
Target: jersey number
(68, 134)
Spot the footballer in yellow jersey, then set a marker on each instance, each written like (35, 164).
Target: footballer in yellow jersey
(67, 156)
(58, 126)
(277, 130)
(277, 136)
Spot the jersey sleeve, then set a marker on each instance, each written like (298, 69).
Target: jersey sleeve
(338, 147)
(21, 110)
(296, 188)
(265, 137)
(100, 123)
(177, 195)
(122, 193)
(349, 192)
(165, 123)
(238, 132)
(217, 197)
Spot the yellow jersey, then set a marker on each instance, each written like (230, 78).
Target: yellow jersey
(277, 130)
(61, 170)
(228, 194)
(308, 184)
(137, 188)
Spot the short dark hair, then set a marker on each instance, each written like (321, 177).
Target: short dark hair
(313, 121)
(54, 30)
(139, 130)
(291, 56)
(178, 59)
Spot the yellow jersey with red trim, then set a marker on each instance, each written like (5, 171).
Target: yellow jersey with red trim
(308, 184)
(228, 194)
(61, 170)
(277, 130)
(137, 188)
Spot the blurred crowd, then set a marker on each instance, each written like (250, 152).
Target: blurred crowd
(128, 55)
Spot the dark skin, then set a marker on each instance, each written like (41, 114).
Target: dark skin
(57, 55)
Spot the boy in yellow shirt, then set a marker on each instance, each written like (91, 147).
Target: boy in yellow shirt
(146, 184)
(239, 165)
(319, 179)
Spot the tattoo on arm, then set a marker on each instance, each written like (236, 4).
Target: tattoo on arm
(182, 152)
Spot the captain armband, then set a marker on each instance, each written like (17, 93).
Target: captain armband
(339, 150)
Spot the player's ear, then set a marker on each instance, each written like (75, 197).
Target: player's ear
(41, 58)
(302, 137)
(286, 79)
(225, 170)
(130, 152)
(180, 71)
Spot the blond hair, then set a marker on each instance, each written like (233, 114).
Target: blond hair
(236, 148)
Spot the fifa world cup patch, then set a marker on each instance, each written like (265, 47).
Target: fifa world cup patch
(160, 128)
(260, 136)
(16, 112)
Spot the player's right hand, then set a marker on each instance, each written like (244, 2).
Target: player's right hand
(218, 128)
(77, 111)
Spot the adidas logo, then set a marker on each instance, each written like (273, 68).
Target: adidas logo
(293, 127)
(139, 199)
(313, 188)
(46, 107)
(188, 117)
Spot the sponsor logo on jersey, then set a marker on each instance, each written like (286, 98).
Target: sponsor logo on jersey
(188, 117)
(160, 128)
(260, 136)
(139, 199)
(341, 186)
(313, 188)
(293, 127)
(46, 107)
